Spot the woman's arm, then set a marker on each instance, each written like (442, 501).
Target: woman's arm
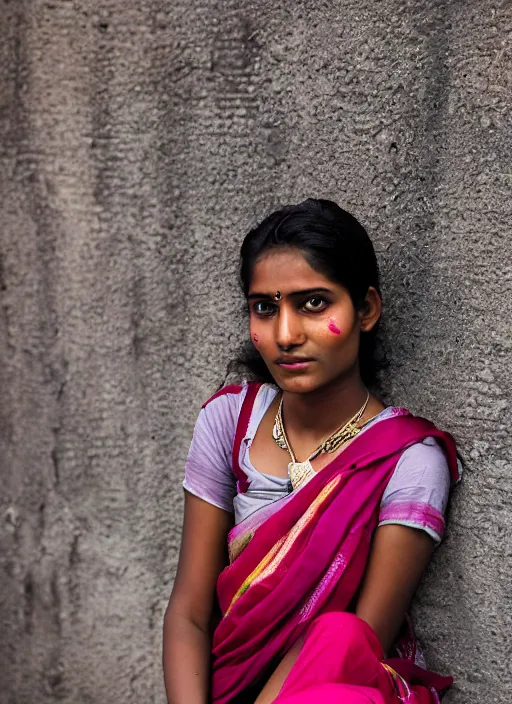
(188, 618)
(398, 558)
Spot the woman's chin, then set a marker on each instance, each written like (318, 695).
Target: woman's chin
(298, 384)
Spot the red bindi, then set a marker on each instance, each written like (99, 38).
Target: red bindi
(333, 327)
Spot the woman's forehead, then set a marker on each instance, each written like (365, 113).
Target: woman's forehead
(286, 270)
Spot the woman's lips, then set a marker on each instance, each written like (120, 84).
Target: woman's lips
(302, 364)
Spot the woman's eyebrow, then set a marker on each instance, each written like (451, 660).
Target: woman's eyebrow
(302, 292)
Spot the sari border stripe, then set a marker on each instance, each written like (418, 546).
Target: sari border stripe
(415, 514)
(241, 429)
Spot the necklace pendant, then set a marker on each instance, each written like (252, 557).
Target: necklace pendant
(278, 435)
(300, 473)
(340, 438)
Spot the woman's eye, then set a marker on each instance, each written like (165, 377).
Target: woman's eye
(263, 308)
(315, 304)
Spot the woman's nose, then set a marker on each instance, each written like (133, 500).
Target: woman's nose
(289, 331)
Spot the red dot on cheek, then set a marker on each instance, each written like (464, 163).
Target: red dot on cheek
(333, 327)
(255, 338)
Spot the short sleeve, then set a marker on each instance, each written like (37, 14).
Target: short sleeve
(208, 472)
(417, 494)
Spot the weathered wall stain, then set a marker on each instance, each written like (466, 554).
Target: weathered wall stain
(139, 141)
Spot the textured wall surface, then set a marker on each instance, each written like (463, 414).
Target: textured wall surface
(139, 140)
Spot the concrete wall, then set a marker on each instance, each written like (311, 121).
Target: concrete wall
(139, 140)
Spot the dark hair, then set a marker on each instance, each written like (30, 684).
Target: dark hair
(335, 244)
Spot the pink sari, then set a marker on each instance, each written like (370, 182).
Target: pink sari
(303, 557)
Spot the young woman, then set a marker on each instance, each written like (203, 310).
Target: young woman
(311, 509)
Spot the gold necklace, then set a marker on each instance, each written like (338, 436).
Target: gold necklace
(302, 472)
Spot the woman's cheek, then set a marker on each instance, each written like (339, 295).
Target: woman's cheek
(261, 338)
(333, 327)
(255, 334)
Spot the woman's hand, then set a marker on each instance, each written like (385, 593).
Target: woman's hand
(398, 558)
(188, 618)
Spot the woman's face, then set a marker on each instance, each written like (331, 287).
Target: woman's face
(309, 337)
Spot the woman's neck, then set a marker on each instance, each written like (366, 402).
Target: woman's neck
(322, 411)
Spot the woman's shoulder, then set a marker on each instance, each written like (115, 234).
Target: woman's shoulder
(417, 492)
(424, 459)
(224, 407)
(235, 390)
(231, 393)
(426, 452)
(422, 465)
(432, 450)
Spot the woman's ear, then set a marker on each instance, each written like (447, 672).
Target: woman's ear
(371, 311)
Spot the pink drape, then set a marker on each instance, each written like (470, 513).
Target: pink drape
(307, 558)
